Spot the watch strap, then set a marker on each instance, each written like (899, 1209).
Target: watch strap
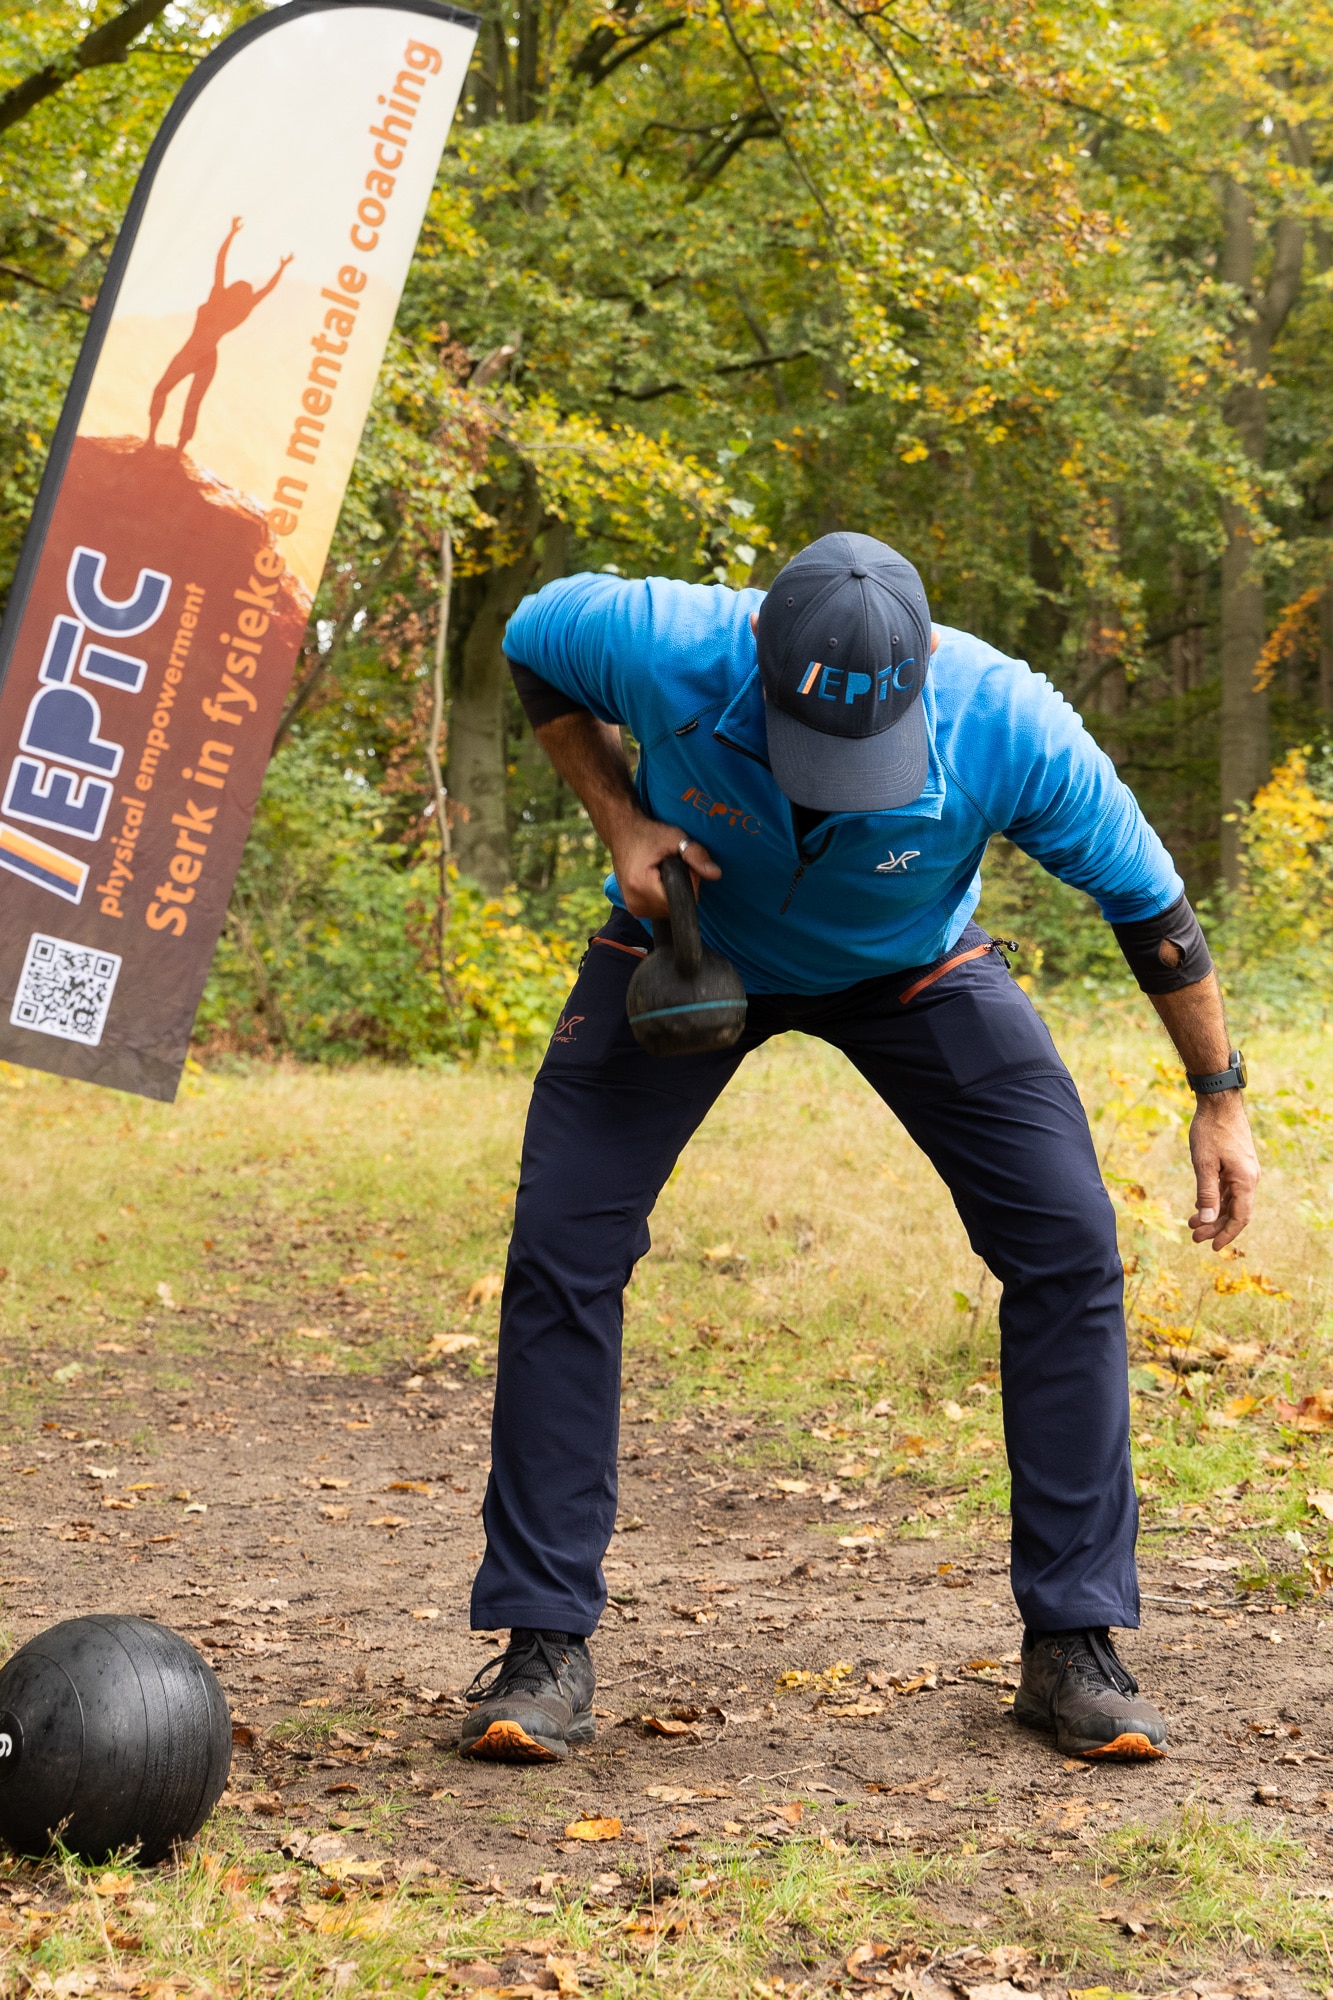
(1233, 1077)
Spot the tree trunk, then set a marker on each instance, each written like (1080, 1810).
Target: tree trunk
(478, 752)
(1185, 650)
(526, 82)
(1047, 620)
(1244, 736)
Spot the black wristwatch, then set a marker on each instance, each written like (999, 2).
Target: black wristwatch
(1233, 1077)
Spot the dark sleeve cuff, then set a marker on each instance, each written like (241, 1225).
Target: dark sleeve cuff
(541, 702)
(1142, 945)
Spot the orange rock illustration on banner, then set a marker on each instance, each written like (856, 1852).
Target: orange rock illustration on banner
(192, 493)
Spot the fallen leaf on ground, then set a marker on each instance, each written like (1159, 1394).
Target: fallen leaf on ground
(593, 1829)
(408, 1486)
(1322, 1502)
(660, 1725)
(916, 1787)
(452, 1343)
(334, 1485)
(795, 1486)
(484, 1290)
(1237, 1353)
(1226, 1282)
(267, 1804)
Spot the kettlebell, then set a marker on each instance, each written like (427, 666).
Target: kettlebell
(683, 1000)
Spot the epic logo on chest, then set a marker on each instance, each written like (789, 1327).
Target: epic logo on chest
(715, 809)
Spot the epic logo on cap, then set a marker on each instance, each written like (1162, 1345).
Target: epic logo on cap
(831, 681)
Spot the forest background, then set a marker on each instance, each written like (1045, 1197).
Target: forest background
(1040, 293)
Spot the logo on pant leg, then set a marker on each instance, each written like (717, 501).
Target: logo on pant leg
(565, 1026)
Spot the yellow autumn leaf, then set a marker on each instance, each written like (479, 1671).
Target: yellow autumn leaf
(593, 1829)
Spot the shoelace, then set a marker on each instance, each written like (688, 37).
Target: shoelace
(519, 1669)
(1092, 1658)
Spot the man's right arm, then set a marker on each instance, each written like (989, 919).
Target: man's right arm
(590, 757)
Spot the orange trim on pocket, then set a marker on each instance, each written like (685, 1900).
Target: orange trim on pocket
(634, 950)
(977, 951)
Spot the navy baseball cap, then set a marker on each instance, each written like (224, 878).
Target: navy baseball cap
(844, 648)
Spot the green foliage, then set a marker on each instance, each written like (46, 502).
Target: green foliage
(318, 957)
(1059, 931)
(328, 952)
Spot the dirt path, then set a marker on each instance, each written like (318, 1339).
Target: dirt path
(326, 1574)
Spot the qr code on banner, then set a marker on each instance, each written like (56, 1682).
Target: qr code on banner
(65, 989)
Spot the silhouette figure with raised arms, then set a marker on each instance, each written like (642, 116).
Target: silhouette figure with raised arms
(225, 308)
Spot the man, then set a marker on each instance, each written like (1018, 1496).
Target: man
(225, 308)
(849, 764)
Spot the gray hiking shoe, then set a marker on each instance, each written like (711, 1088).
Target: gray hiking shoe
(1074, 1683)
(533, 1702)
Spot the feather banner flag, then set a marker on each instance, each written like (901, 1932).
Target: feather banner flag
(192, 491)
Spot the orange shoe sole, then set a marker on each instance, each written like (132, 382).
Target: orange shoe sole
(509, 1743)
(1131, 1747)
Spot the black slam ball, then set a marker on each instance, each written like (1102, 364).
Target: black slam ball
(114, 1734)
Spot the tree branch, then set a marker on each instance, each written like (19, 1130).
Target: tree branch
(108, 44)
(1284, 280)
(605, 50)
(725, 368)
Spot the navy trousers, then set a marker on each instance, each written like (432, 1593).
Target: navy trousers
(969, 1068)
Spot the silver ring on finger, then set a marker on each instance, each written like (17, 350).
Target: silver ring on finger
(681, 846)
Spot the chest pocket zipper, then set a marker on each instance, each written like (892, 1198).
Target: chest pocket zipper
(806, 861)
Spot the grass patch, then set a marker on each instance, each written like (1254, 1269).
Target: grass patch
(1192, 1890)
(807, 1271)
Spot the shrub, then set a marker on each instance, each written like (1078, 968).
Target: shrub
(328, 952)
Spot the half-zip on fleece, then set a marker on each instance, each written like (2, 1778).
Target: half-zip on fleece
(864, 893)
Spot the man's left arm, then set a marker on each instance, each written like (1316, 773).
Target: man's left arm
(1059, 797)
(1226, 1168)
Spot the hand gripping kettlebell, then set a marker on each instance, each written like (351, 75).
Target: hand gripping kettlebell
(683, 1000)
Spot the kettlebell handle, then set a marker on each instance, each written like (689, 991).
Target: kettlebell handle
(681, 934)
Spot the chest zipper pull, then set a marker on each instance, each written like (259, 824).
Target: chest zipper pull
(792, 889)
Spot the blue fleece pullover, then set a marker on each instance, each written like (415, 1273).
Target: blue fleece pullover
(867, 893)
